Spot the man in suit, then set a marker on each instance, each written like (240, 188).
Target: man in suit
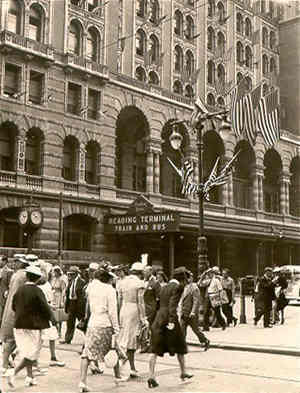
(151, 294)
(264, 297)
(189, 307)
(75, 302)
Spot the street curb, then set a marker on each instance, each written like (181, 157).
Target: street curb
(249, 348)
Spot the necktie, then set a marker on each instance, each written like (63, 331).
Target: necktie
(73, 294)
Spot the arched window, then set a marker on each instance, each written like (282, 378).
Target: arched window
(36, 23)
(92, 45)
(248, 57)
(221, 12)
(265, 36)
(265, 89)
(189, 61)
(221, 44)
(273, 67)
(178, 23)
(265, 64)
(153, 48)
(210, 39)
(153, 11)
(211, 99)
(75, 38)
(178, 59)
(273, 40)
(140, 74)
(239, 77)
(177, 87)
(153, 78)
(8, 132)
(140, 8)
(211, 8)
(221, 73)
(189, 91)
(248, 83)
(70, 161)
(239, 53)
(14, 16)
(189, 29)
(221, 102)
(140, 42)
(33, 152)
(239, 23)
(210, 72)
(248, 28)
(92, 157)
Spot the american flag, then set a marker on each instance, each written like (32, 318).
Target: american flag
(187, 171)
(199, 109)
(236, 107)
(251, 101)
(210, 182)
(268, 118)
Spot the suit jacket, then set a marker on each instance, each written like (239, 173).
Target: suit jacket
(76, 306)
(266, 293)
(151, 298)
(169, 298)
(190, 300)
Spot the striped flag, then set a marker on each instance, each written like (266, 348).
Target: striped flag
(199, 109)
(220, 86)
(187, 171)
(209, 184)
(251, 101)
(236, 107)
(268, 118)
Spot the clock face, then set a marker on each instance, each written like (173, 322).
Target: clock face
(23, 217)
(36, 217)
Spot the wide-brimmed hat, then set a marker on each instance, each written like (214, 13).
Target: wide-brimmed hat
(74, 269)
(34, 270)
(31, 257)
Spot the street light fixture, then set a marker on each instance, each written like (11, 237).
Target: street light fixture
(175, 141)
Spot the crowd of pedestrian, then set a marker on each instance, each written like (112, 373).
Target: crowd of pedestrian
(120, 309)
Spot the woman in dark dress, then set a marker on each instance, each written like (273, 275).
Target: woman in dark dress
(167, 336)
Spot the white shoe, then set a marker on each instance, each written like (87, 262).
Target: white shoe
(30, 381)
(39, 371)
(56, 363)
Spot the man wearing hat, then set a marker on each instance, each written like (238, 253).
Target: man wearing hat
(75, 302)
(8, 320)
(265, 294)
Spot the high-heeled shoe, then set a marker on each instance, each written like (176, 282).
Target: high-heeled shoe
(152, 383)
(83, 388)
(206, 345)
(186, 376)
(30, 382)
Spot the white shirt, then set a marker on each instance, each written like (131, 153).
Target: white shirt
(214, 286)
(102, 300)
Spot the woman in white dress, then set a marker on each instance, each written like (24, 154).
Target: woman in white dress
(132, 312)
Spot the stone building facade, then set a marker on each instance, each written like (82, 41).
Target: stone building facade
(88, 91)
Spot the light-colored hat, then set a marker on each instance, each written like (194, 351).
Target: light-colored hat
(137, 266)
(93, 266)
(31, 257)
(74, 269)
(216, 269)
(34, 270)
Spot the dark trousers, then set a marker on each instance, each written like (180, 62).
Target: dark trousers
(194, 324)
(227, 311)
(217, 311)
(71, 322)
(267, 316)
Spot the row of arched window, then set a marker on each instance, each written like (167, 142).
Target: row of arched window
(269, 39)
(215, 41)
(243, 26)
(184, 26)
(214, 9)
(34, 154)
(89, 47)
(17, 24)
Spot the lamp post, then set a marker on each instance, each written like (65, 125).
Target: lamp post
(175, 141)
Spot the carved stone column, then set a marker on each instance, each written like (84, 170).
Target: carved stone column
(150, 171)
(81, 163)
(256, 197)
(284, 193)
(157, 172)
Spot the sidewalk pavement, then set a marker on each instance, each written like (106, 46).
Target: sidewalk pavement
(281, 339)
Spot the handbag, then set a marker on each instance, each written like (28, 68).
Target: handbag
(82, 325)
(143, 339)
(215, 299)
(60, 314)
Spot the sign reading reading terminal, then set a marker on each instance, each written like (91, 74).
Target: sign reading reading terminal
(167, 221)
